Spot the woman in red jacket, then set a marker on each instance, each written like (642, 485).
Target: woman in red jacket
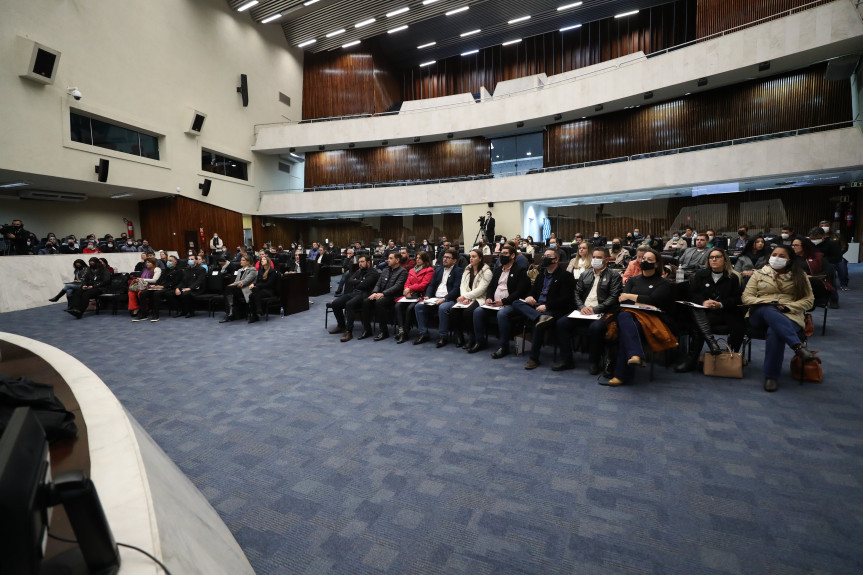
(419, 277)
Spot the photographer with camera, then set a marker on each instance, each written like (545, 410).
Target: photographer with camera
(17, 237)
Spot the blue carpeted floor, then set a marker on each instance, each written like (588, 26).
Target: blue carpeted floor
(370, 457)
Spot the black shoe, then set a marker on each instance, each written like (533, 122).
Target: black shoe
(75, 312)
(54, 299)
(421, 339)
(459, 340)
(594, 369)
(803, 353)
(563, 366)
(713, 346)
(608, 369)
(154, 319)
(687, 365)
(226, 319)
(441, 342)
(477, 347)
(382, 335)
(501, 352)
(401, 336)
(254, 318)
(834, 304)
(364, 335)
(771, 384)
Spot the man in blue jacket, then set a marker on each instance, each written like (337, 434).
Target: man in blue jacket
(444, 287)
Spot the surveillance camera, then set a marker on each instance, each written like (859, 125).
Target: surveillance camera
(75, 93)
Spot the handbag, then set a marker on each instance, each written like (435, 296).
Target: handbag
(726, 364)
(810, 371)
(138, 285)
(809, 325)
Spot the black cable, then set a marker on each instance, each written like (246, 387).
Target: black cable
(138, 549)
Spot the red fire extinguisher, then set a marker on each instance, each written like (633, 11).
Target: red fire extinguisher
(849, 215)
(201, 232)
(130, 229)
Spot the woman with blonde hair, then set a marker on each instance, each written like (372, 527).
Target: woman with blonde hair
(580, 261)
(474, 282)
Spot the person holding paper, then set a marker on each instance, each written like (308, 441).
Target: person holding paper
(551, 298)
(652, 289)
(596, 293)
(474, 282)
(508, 283)
(716, 288)
(443, 289)
(419, 278)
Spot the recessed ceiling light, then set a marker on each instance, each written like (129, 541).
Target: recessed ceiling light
(430, 44)
(568, 6)
(399, 29)
(511, 42)
(271, 18)
(364, 23)
(457, 10)
(424, 64)
(296, 156)
(626, 14)
(349, 44)
(310, 2)
(469, 52)
(14, 185)
(397, 12)
(118, 196)
(471, 33)
(516, 20)
(427, 2)
(247, 5)
(336, 33)
(306, 43)
(573, 27)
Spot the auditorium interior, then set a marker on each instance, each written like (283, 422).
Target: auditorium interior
(273, 448)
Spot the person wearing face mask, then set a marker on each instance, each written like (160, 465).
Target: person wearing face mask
(508, 284)
(69, 246)
(779, 294)
(80, 270)
(418, 280)
(150, 274)
(832, 250)
(50, 248)
(717, 288)
(550, 298)
(357, 288)
(630, 240)
(598, 240)
(813, 263)
(483, 247)
(91, 248)
(634, 267)
(620, 256)
(786, 235)
(17, 237)
(239, 288)
(742, 238)
(108, 247)
(194, 284)
(166, 288)
(649, 288)
(128, 246)
(675, 243)
(596, 292)
(96, 280)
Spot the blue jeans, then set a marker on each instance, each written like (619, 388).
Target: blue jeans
(842, 271)
(781, 331)
(480, 315)
(629, 344)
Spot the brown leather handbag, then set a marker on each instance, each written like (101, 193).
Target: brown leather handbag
(726, 364)
(810, 371)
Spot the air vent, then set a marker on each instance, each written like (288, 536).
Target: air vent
(51, 196)
(286, 100)
(283, 167)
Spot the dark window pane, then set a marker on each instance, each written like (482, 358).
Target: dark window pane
(116, 138)
(149, 146)
(80, 126)
(217, 164)
(235, 169)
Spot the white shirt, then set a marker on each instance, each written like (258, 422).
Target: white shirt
(592, 300)
(441, 289)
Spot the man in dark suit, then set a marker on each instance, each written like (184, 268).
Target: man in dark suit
(489, 227)
(357, 288)
(382, 300)
(551, 298)
(444, 287)
(508, 284)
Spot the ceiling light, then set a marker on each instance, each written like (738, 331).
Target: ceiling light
(397, 12)
(296, 156)
(399, 29)
(306, 43)
(426, 45)
(271, 18)
(469, 52)
(118, 196)
(511, 42)
(516, 20)
(528, 154)
(310, 2)
(349, 44)
(471, 33)
(427, 2)
(247, 5)
(626, 14)
(457, 10)
(336, 33)
(573, 27)
(568, 6)
(364, 23)
(424, 64)
(14, 184)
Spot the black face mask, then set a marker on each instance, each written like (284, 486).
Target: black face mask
(741, 233)
(615, 246)
(93, 266)
(647, 266)
(504, 260)
(547, 262)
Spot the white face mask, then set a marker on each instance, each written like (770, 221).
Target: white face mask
(826, 229)
(596, 263)
(778, 263)
(785, 236)
(709, 238)
(596, 235)
(816, 242)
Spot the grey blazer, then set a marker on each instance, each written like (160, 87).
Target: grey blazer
(247, 276)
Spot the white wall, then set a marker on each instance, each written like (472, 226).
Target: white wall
(147, 63)
(96, 216)
(534, 216)
(507, 219)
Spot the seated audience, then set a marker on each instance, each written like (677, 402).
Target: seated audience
(419, 278)
(634, 267)
(238, 290)
(717, 288)
(80, 270)
(357, 288)
(508, 284)
(753, 256)
(265, 285)
(596, 292)
(619, 256)
(778, 296)
(455, 317)
(676, 243)
(163, 289)
(96, 281)
(442, 291)
(150, 274)
(381, 301)
(813, 263)
(194, 284)
(580, 261)
(696, 256)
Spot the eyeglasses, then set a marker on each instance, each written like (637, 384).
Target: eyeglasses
(716, 257)
(796, 245)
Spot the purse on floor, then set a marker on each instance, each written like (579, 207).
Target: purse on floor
(809, 371)
(726, 364)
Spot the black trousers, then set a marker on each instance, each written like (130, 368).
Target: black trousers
(256, 300)
(81, 298)
(379, 309)
(404, 313)
(345, 308)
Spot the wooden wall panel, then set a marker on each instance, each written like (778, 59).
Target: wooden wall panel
(721, 15)
(389, 163)
(164, 222)
(650, 30)
(802, 208)
(797, 100)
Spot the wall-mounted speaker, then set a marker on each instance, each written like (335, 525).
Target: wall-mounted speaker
(41, 61)
(243, 89)
(102, 170)
(205, 187)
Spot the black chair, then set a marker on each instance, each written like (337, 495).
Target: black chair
(215, 292)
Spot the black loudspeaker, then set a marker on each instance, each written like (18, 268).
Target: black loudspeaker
(205, 187)
(243, 89)
(102, 170)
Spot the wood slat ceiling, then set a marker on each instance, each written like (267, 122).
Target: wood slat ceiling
(427, 23)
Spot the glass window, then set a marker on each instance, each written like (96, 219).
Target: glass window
(112, 137)
(516, 154)
(81, 129)
(219, 164)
